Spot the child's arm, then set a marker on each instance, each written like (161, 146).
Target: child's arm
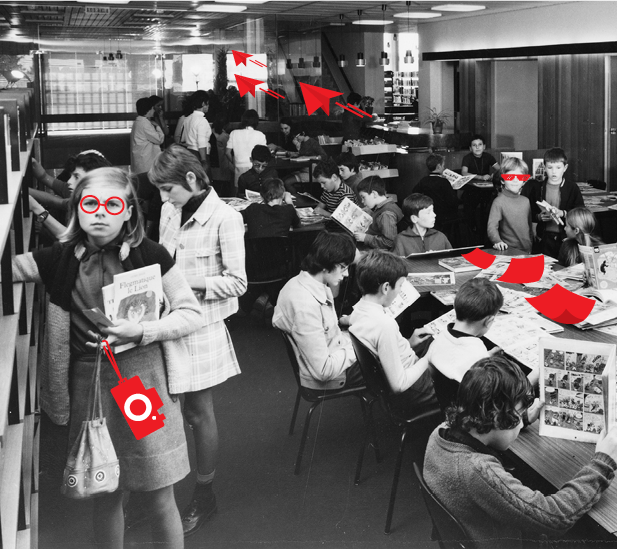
(25, 269)
(384, 240)
(55, 227)
(492, 227)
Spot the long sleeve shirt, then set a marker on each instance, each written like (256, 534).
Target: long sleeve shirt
(197, 131)
(383, 229)
(146, 140)
(510, 221)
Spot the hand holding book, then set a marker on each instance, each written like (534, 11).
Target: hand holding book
(550, 212)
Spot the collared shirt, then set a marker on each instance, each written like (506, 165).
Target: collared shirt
(242, 142)
(305, 310)
(196, 132)
(146, 140)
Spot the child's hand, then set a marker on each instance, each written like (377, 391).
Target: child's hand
(38, 170)
(344, 321)
(500, 246)
(495, 351)
(533, 412)
(123, 332)
(287, 198)
(420, 335)
(360, 237)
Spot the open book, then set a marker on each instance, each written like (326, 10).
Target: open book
(351, 217)
(600, 265)
(407, 296)
(604, 312)
(253, 196)
(577, 380)
(547, 208)
(456, 180)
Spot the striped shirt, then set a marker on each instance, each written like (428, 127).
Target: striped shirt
(332, 200)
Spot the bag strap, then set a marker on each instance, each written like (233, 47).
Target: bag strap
(96, 411)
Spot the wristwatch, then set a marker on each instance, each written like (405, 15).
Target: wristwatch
(42, 216)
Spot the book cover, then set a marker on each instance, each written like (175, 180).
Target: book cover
(352, 217)
(600, 265)
(456, 180)
(547, 208)
(253, 196)
(457, 264)
(577, 381)
(431, 279)
(537, 171)
(446, 297)
(406, 297)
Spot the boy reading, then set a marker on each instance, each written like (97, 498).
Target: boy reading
(457, 348)
(349, 167)
(563, 195)
(463, 468)
(421, 236)
(386, 214)
(380, 276)
(327, 174)
(259, 172)
(438, 188)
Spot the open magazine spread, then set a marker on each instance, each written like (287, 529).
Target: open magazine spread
(352, 217)
(404, 299)
(456, 180)
(577, 381)
(431, 279)
(600, 265)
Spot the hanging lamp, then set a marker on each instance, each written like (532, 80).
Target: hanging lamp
(360, 62)
(288, 63)
(408, 55)
(383, 59)
(316, 58)
(301, 60)
(342, 62)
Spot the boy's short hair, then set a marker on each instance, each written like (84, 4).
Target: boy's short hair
(348, 159)
(329, 250)
(326, 168)
(510, 164)
(372, 183)
(271, 189)
(477, 299)
(556, 154)
(433, 161)
(249, 118)
(377, 267)
(354, 98)
(488, 396)
(414, 203)
(476, 137)
(143, 105)
(261, 153)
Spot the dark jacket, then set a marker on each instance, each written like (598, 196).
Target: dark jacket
(444, 197)
(569, 197)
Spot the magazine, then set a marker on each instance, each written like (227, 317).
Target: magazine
(604, 312)
(457, 264)
(237, 204)
(446, 297)
(537, 170)
(404, 299)
(308, 216)
(600, 265)
(456, 180)
(547, 208)
(352, 217)
(577, 380)
(253, 196)
(431, 279)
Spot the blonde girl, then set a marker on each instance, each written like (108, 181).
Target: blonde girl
(579, 226)
(206, 237)
(105, 237)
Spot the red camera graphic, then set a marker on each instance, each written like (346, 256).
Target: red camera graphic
(137, 404)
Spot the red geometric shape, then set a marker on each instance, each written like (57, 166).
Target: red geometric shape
(316, 97)
(246, 84)
(480, 258)
(240, 57)
(521, 271)
(562, 305)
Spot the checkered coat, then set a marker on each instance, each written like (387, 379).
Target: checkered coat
(209, 244)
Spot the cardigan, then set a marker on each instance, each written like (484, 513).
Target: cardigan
(57, 267)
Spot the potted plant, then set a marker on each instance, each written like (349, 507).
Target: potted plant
(437, 119)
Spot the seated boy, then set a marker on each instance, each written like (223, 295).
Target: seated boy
(438, 188)
(563, 194)
(307, 146)
(463, 468)
(327, 174)
(275, 216)
(420, 237)
(478, 161)
(260, 171)
(386, 214)
(380, 276)
(305, 310)
(349, 167)
(456, 349)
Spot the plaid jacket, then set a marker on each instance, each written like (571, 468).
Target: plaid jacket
(209, 244)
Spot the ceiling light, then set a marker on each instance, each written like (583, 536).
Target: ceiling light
(458, 7)
(221, 8)
(242, 1)
(372, 22)
(418, 15)
(342, 62)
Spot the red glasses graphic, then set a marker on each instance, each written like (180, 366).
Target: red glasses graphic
(513, 176)
(90, 204)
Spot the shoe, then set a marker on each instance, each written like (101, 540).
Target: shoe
(197, 513)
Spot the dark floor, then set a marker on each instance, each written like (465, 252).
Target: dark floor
(261, 503)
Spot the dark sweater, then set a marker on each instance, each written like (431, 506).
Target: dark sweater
(252, 180)
(263, 220)
(410, 242)
(569, 197)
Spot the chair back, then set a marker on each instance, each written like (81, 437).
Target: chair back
(446, 389)
(293, 360)
(450, 533)
(372, 371)
(268, 259)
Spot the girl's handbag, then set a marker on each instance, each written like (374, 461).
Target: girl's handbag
(92, 466)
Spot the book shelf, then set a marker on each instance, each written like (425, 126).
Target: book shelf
(401, 95)
(363, 150)
(21, 318)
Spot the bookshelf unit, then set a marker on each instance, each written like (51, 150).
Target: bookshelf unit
(21, 318)
(401, 95)
(363, 150)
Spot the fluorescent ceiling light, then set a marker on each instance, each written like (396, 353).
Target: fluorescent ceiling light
(417, 15)
(372, 22)
(458, 7)
(221, 8)
(242, 1)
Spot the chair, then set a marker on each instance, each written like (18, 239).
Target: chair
(377, 385)
(446, 389)
(447, 531)
(316, 397)
(268, 259)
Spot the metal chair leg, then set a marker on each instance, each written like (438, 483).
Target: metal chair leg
(307, 422)
(397, 472)
(295, 413)
(365, 441)
(371, 423)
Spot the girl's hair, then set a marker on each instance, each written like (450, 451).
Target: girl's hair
(250, 118)
(582, 219)
(172, 165)
(132, 231)
(329, 250)
(510, 164)
(91, 160)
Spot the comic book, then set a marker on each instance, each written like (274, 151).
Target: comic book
(431, 279)
(456, 180)
(351, 217)
(457, 264)
(600, 265)
(407, 296)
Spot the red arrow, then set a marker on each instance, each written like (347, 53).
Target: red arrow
(240, 57)
(246, 84)
(316, 97)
